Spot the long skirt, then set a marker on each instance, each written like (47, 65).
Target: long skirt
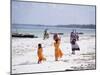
(75, 47)
(58, 53)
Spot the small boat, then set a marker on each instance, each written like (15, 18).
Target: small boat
(23, 35)
(80, 33)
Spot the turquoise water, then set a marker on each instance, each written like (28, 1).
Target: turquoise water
(39, 30)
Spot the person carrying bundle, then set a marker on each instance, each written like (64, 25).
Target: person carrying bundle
(73, 40)
(58, 52)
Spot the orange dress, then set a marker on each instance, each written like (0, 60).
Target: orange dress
(40, 55)
(58, 52)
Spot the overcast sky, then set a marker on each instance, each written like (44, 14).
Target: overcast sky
(51, 14)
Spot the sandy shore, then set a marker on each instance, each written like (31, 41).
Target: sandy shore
(24, 55)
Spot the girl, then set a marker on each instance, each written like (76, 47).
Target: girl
(40, 54)
(58, 52)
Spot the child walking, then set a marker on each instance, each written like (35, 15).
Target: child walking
(40, 54)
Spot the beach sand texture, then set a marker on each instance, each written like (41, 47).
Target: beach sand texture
(24, 55)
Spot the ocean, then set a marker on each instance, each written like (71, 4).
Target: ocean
(38, 30)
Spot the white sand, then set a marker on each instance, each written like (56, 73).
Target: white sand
(24, 55)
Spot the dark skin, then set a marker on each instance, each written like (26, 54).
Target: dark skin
(39, 46)
(40, 59)
(56, 59)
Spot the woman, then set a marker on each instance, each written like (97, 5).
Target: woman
(73, 42)
(58, 52)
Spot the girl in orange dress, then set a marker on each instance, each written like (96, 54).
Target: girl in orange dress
(40, 54)
(58, 52)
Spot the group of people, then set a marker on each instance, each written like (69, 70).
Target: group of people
(58, 52)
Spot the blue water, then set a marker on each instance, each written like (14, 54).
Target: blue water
(39, 30)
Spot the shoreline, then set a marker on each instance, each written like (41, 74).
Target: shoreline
(26, 49)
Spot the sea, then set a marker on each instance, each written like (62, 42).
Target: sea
(38, 30)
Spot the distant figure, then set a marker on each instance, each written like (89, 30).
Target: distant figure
(56, 37)
(46, 34)
(73, 42)
(40, 54)
(58, 52)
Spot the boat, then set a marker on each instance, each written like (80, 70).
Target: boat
(23, 35)
(80, 33)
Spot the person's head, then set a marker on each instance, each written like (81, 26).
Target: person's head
(55, 36)
(39, 45)
(72, 33)
(57, 40)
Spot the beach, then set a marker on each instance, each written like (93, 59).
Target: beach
(24, 55)
(34, 24)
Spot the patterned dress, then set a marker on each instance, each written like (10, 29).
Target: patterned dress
(73, 39)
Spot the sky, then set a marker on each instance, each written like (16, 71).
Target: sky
(51, 14)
